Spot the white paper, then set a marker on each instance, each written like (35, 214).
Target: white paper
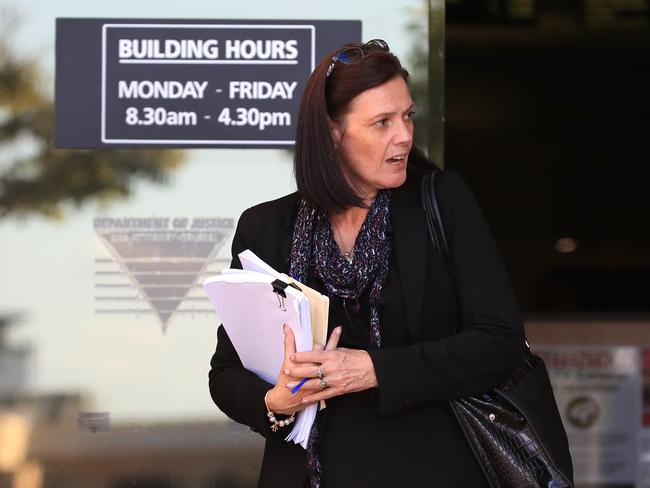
(250, 262)
(253, 316)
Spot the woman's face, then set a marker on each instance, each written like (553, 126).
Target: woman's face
(375, 137)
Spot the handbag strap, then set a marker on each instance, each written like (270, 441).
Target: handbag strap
(434, 221)
(435, 227)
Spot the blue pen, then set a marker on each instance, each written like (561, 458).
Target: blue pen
(299, 385)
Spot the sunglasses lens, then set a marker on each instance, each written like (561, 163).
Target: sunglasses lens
(353, 54)
(377, 44)
(350, 55)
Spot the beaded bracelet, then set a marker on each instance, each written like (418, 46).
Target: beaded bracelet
(275, 423)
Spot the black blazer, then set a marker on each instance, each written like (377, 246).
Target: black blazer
(439, 364)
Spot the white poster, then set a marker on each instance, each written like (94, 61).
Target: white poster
(644, 441)
(598, 392)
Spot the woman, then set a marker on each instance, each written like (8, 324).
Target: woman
(356, 231)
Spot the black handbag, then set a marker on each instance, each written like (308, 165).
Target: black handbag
(515, 430)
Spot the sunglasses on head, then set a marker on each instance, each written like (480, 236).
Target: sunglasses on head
(352, 54)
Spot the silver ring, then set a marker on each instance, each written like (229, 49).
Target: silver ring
(320, 373)
(323, 383)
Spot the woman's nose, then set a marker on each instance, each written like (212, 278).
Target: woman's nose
(404, 135)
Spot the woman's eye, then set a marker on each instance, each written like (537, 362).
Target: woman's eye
(410, 114)
(381, 122)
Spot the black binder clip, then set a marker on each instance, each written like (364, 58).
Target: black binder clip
(278, 289)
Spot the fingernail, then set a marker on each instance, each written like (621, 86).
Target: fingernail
(284, 327)
(292, 357)
(286, 371)
(339, 329)
(290, 385)
(304, 400)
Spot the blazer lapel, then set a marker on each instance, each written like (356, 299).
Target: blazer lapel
(410, 244)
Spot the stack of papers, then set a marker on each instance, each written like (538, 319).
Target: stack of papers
(253, 304)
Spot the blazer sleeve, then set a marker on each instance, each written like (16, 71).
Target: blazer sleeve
(238, 392)
(490, 341)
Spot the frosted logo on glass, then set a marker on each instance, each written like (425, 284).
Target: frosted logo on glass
(156, 264)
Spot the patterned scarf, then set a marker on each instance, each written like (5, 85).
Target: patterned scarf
(314, 246)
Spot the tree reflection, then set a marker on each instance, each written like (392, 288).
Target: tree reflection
(36, 178)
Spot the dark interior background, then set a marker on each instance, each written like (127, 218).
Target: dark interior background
(547, 109)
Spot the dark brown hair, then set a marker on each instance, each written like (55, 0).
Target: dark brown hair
(317, 165)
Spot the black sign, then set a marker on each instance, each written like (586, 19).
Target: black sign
(170, 83)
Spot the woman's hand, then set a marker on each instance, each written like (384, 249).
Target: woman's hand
(344, 371)
(280, 399)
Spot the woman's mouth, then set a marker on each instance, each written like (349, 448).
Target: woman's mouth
(398, 158)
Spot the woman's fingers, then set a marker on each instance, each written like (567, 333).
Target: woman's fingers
(311, 372)
(344, 371)
(310, 385)
(289, 342)
(280, 399)
(302, 371)
(333, 341)
(308, 370)
(319, 356)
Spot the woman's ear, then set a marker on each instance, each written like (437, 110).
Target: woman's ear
(336, 132)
